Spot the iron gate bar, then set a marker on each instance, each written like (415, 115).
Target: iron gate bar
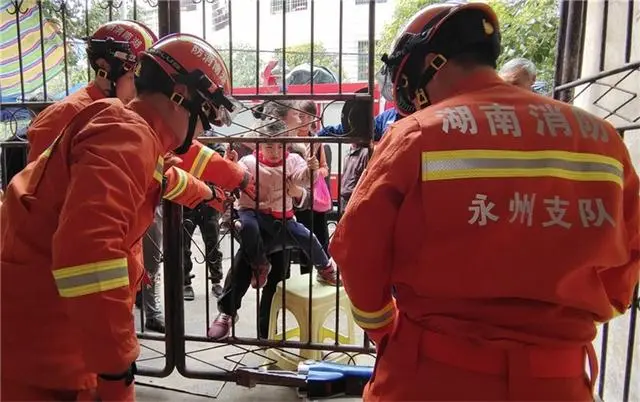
(87, 34)
(630, 346)
(340, 38)
(312, 49)
(582, 24)
(284, 46)
(39, 106)
(302, 96)
(284, 208)
(572, 40)
(35, 107)
(628, 127)
(17, 4)
(603, 35)
(627, 50)
(603, 358)
(337, 322)
(592, 78)
(272, 343)
(372, 47)
(257, 48)
(286, 140)
(230, 18)
(561, 44)
(63, 16)
(42, 53)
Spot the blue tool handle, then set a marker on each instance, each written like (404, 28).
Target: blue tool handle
(345, 370)
(323, 376)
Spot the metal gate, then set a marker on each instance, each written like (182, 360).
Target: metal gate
(184, 346)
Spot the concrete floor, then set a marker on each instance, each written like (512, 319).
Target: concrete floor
(229, 393)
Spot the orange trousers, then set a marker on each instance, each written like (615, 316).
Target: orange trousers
(417, 365)
(12, 391)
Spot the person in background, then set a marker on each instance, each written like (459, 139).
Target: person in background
(358, 155)
(380, 125)
(112, 51)
(307, 215)
(520, 72)
(149, 296)
(208, 220)
(355, 163)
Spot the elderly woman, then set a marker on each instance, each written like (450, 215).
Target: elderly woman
(519, 72)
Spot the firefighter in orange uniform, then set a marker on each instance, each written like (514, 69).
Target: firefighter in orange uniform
(70, 219)
(113, 51)
(506, 222)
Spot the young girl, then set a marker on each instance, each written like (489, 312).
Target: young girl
(274, 213)
(240, 275)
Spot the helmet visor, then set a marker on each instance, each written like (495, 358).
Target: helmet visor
(221, 113)
(384, 79)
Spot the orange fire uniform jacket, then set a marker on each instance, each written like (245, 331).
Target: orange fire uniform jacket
(183, 188)
(49, 123)
(207, 165)
(499, 216)
(69, 222)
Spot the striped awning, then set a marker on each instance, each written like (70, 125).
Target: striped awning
(31, 53)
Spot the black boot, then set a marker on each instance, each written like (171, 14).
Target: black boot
(188, 293)
(155, 324)
(216, 289)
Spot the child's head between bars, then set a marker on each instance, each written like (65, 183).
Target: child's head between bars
(271, 151)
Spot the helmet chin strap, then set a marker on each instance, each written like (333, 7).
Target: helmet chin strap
(421, 99)
(117, 71)
(194, 107)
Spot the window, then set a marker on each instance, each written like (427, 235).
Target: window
(363, 60)
(292, 5)
(220, 14)
(188, 5)
(367, 1)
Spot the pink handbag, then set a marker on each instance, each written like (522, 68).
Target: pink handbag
(321, 195)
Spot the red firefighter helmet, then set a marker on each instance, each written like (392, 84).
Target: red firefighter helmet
(190, 61)
(445, 30)
(120, 44)
(152, 35)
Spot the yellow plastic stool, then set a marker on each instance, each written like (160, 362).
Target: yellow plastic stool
(323, 305)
